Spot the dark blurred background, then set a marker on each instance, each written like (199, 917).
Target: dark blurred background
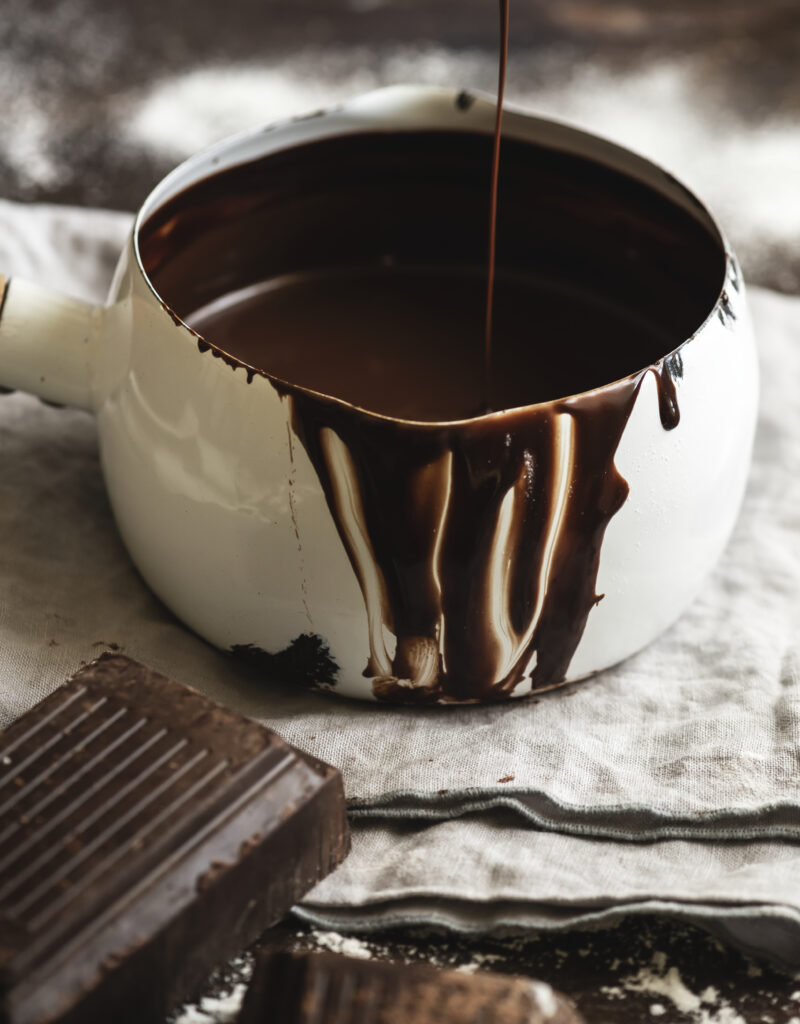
(99, 98)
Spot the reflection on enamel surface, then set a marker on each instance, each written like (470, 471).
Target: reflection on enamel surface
(511, 643)
(445, 469)
(497, 604)
(563, 460)
(350, 516)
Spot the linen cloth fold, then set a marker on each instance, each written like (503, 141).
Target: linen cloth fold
(668, 782)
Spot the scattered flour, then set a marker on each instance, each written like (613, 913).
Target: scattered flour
(344, 944)
(658, 979)
(486, 959)
(707, 1007)
(351, 946)
(223, 1009)
(214, 1010)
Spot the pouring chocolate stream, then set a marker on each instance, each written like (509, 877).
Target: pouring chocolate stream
(498, 132)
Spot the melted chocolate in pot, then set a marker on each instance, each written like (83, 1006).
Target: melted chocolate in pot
(406, 342)
(476, 544)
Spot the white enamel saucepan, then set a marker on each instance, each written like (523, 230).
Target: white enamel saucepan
(386, 558)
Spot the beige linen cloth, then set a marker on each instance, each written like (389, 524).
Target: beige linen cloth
(667, 784)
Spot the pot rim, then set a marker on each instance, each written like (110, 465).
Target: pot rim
(410, 107)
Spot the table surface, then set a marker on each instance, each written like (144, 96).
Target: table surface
(643, 969)
(78, 81)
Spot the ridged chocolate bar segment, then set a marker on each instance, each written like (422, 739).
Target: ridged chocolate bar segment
(130, 808)
(322, 988)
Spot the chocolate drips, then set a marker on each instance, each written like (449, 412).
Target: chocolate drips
(475, 545)
(668, 372)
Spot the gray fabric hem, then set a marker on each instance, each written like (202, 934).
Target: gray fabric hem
(635, 823)
(761, 930)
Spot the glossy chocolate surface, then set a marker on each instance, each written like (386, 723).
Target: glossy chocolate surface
(407, 210)
(407, 342)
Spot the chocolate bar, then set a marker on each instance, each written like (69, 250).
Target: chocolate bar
(146, 835)
(323, 988)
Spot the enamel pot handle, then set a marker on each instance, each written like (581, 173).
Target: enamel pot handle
(47, 343)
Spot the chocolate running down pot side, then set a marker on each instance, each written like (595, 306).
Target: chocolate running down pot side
(476, 546)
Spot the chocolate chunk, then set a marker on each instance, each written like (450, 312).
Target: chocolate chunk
(322, 988)
(146, 835)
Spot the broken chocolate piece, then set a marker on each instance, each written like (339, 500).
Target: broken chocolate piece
(322, 988)
(146, 835)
